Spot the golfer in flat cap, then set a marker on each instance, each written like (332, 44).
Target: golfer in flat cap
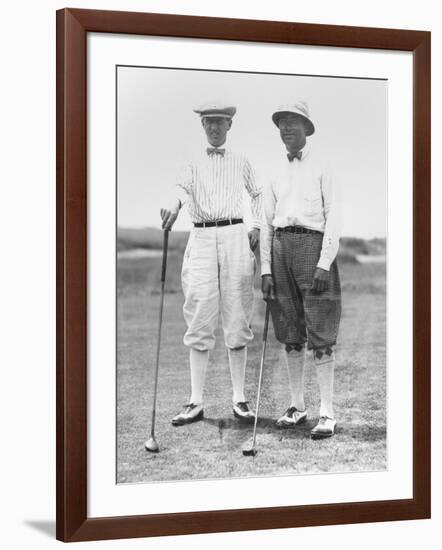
(299, 243)
(219, 263)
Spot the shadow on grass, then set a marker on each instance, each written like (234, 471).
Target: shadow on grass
(301, 431)
(362, 432)
(266, 426)
(240, 425)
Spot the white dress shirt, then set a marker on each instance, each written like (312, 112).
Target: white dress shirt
(212, 186)
(302, 192)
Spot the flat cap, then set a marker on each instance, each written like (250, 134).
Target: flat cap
(216, 108)
(299, 108)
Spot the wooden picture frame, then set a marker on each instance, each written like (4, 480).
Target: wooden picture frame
(73, 523)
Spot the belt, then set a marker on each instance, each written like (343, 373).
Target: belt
(296, 229)
(219, 223)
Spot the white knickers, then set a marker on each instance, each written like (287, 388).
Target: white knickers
(217, 274)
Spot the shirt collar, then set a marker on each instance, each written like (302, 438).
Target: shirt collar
(305, 151)
(223, 146)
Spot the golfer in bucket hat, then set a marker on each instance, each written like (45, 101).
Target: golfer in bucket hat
(299, 243)
(219, 263)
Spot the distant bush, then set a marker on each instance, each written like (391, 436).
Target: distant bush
(346, 257)
(152, 239)
(353, 244)
(149, 238)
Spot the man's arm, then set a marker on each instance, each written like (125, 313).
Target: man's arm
(170, 213)
(330, 243)
(255, 192)
(267, 217)
(332, 201)
(266, 237)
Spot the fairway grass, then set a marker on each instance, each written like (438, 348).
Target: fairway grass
(212, 448)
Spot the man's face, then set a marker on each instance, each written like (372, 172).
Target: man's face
(216, 129)
(292, 131)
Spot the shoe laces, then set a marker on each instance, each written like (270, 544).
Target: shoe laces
(189, 407)
(291, 411)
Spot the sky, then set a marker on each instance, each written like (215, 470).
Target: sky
(158, 131)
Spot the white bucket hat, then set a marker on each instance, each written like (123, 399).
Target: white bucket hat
(299, 108)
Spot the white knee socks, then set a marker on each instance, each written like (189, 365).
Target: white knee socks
(325, 368)
(198, 367)
(295, 361)
(237, 363)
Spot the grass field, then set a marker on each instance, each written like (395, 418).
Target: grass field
(212, 448)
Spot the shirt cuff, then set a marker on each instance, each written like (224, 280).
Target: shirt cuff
(181, 196)
(266, 268)
(324, 263)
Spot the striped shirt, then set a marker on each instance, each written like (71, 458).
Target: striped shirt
(302, 192)
(212, 186)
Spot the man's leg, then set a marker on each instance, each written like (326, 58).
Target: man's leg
(198, 367)
(193, 410)
(237, 364)
(236, 275)
(323, 312)
(201, 308)
(295, 361)
(289, 323)
(287, 310)
(325, 370)
(294, 357)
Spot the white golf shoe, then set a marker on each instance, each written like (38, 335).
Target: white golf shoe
(291, 418)
(242, 411)
(190, 413)
(324, 428)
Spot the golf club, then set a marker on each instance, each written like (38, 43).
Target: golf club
(151, 444)
(249, 448)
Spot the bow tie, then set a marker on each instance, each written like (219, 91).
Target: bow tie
(215, 151)
(292, 156)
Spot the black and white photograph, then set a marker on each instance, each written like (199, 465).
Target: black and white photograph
(222, 256)
(251, 274)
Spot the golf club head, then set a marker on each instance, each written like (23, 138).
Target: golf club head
(151, 445)
(249, 449)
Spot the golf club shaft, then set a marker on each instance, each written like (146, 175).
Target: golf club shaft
(160, 324)
(261, 368)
